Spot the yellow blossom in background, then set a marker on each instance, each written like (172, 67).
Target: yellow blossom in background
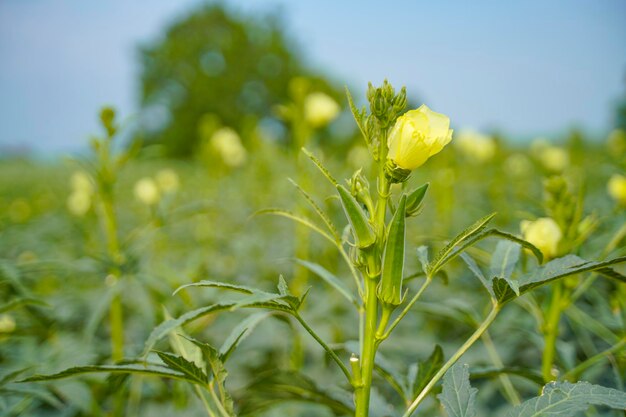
(7, 323)
(320, 109)
(544, 233)
(554, 158)
(147, 191)
(226, 142)
(416, 136)
(167, 180)
(518, 165)
(80, 181)
(617, 188)
(476, 146)
(79, 202)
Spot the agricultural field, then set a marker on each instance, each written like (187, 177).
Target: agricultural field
(260, 241)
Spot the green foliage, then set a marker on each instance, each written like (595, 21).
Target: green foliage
(458, 397)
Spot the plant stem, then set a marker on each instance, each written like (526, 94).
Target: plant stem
(369, 342)
(368, 354)
(551, 331)
(328, 350)
(406, 309)
(574, 374)
(457, 355)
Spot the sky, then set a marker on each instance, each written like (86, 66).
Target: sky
(529, 68)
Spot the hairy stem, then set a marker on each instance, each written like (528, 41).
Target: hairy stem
(551, 332)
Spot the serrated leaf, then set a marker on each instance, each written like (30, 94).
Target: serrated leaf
(151, 369)
(330, 279)
(363, 232)
(458, 396)
(320, 166)
(357, 114)
(427, 369)
(561, 268)
(446, 254)
(566, 399)
(182, 365)
(502, 290)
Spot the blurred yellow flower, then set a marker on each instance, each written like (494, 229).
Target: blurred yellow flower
(320, 109)
(80, 181)
(226, 142)
(7, 323)
(617, 188)
(518, 165)
(544, 233)
(475, 145)
(416, 136)
(554, 159)
(167, 180)
(147, 191)
(79, 202)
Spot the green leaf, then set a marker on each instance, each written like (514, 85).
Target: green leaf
(329, 224)
(566, 399)
(149, 369)
(504, 259)
(240, 332)
(363, 232)
(458, 396)
(427, 369)
(221, 285)
(18, 302)
(414, 200)
(302, 220)
(502, 290)
(330, 279)
(359, 115)
(389, 290)
(276, 386)
(182, 365)
(447, 253)
(561, 268)
(478, 273)
(320, 166)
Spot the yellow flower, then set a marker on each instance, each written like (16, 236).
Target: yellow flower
(147, 192)
(79, 202)
(544, 233)
(518, 165)
(475, 145)
(167, 180)
(554, 159)
(320, 109)
(82, 182)
(227, 144)
(617, 188)
(418, 135)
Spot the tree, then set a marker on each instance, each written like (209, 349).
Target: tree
(216, 63)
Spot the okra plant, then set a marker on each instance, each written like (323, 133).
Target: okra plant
(375, 250)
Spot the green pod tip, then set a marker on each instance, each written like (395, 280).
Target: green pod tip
(363, 233)
(390, 287)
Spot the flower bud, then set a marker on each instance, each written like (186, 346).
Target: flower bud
(416, 136)
(544, 233)
(617, 188)
(320, 109)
